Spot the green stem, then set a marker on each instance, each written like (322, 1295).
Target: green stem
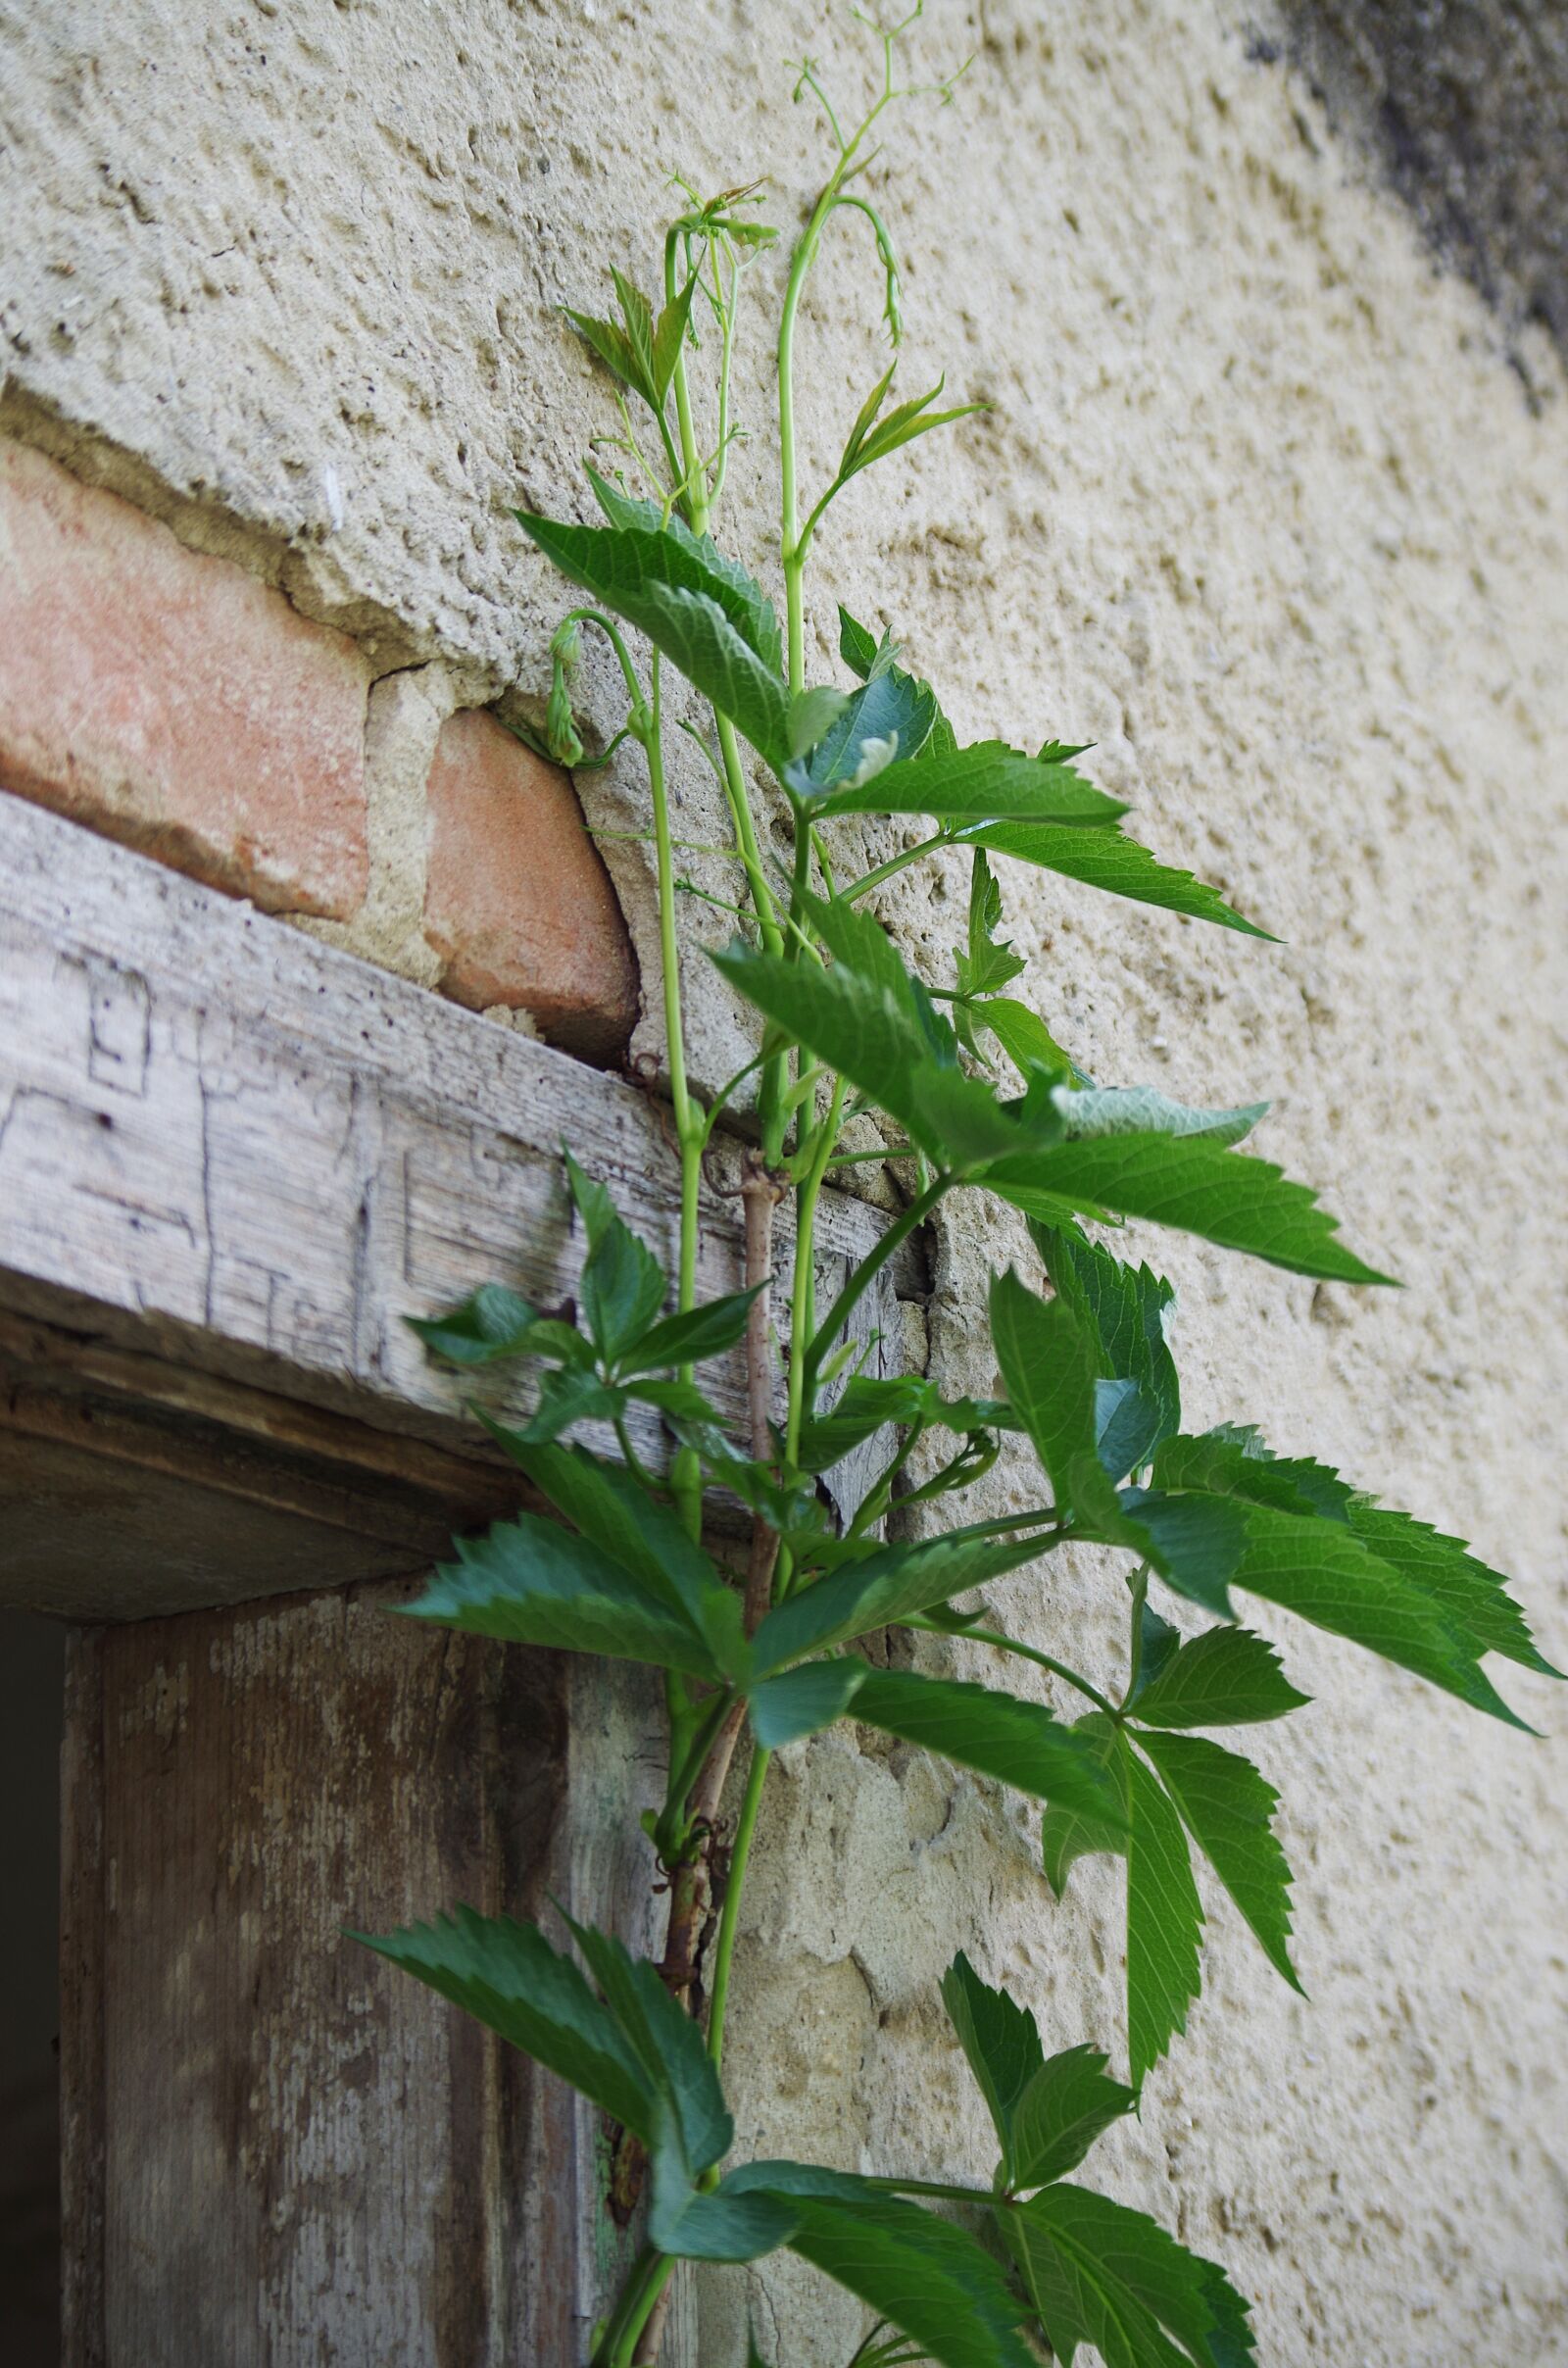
(729, 1919)
(896, 863)
(803, 1300)
(660, 2269)
(897, 1234)
(1027, 1652)
(937, 2187)
(611, 2349)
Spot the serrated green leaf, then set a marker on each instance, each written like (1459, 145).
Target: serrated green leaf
(743, 599)
(987, 966)
(689, 609)
(1068, 2104)
(883, 1589)
(1111, 861)
(869, 1402)
(978, 783)
(1186, 1181)
(693, 2226)
(870, 1034)
(508, 1976)
(920, 2274)
(1228, 1805)
(668, 2045)
(614, 348)
(491, 1323)
(642, 1537)
(1124, 1310)
(802, 1700)
(530, 1582)
(873, 439)
(891, 715)
(1472, 1597)
(1093, 1110)
(999, 2039)
(689, 1338)
(1047, 1364)
(1066, 1835)
(1023, 1036)
(669, 336)
(1227, 1677)
(1165, 1919)
(812, 712)
(1104, 2275)
(572, 1394)
(1203, 1545)
(1020, 1743)
(620, 1291)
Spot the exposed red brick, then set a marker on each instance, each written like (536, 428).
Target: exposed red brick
(170, 699)
(517, 901)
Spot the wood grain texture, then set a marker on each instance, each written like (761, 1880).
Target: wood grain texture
(280, 2149)
(240, 1152)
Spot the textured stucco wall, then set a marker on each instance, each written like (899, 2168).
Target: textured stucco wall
(1263, 511)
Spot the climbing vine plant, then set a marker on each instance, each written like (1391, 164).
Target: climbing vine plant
(971, 1093)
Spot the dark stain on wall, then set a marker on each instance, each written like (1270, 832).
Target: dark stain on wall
(1463, 104)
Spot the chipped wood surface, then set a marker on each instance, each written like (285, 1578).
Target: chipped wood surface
(280, 2149)
(233, 1152)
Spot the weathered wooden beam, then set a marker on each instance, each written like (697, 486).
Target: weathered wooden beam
(236, 1153)
(278, 2148)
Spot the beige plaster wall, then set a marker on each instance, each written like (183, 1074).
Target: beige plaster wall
(1263, 511)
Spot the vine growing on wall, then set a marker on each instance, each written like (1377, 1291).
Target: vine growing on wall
(970, 1092)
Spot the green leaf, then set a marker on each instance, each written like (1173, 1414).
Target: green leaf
(1020, 1743)
(689, 609)
(687, 1339)
(810, 715)
(987, 966)
(867, 657)
(668, 338)
(802, 1700)
(642, 1537)
(869, 1402)
(1124, 1310)
(975, 784)
(1070, 2103)
(1473, 1599)
(1228, 1808)
(614, 350)
(883, 1589)
(1203, 1545)
(530, 1582)
(1023, 1036)
(668, 2045)
(1046, 1361)
(508, 1976)
(491, 1323)
(1164, 1918)
(574, 1394)
(1140, 1109)
(1065, 1835)
(742, 597)
(875, 1036)
(620, 1291)
(873, 439)
(922, 2275)
(1109, 859)
(1000, 2040)
(891, 715)
(1186, 1181)
(1227, 1677)
(1104, 2274)
(718, 2227)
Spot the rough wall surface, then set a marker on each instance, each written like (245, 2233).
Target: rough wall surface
(1261, 511)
